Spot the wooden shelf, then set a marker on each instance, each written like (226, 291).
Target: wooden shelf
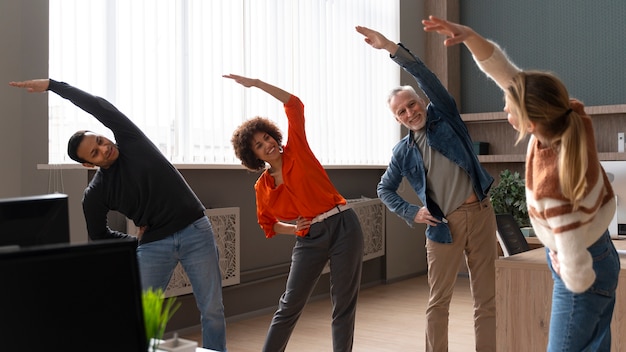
(605, 109)
(611, 156)
(504, 158)
(520, 158)
(493, 128)
(593, 111)
(484, 116)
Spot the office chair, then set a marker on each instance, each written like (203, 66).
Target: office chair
(510, 237)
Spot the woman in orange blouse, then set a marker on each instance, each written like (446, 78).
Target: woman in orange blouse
(295, 196)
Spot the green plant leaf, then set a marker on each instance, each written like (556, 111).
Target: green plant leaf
(157, 311)
(509, 196)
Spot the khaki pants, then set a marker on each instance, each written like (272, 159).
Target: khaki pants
(473, 228)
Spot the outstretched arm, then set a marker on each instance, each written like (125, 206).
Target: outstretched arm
(32, 86)
(480, 47)
(98, 107)
(425, 78)
(274, 91)
(377, 40)
(487, 55)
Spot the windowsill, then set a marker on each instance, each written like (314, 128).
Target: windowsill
(77, 166)
(63, 167)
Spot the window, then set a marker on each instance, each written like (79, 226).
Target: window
(161, 63)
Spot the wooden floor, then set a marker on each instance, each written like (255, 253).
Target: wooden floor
(389, 318)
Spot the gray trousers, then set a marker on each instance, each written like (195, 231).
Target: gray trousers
(339, 239)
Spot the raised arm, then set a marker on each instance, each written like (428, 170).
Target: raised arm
(274, 91)
(487, 54)
(480, 47)
(427, 81)
(98, 107)
(377, 40)
(32, 86)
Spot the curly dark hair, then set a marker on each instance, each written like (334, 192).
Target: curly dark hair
(242, 140)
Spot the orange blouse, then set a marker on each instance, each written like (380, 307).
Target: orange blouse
(306, 190)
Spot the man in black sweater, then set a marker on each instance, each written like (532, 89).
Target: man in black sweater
(135, 179)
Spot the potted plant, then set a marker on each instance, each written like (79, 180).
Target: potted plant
(157, 311)
(509, 196)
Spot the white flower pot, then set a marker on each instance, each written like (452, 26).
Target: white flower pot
(177, 345)
(528, 231)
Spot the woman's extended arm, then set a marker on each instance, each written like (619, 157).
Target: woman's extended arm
(487, 54)
(480, 47)
(274, 91)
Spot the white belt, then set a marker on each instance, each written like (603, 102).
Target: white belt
(334, 211)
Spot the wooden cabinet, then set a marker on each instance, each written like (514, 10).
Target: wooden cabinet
(524, 302)
(493, 128)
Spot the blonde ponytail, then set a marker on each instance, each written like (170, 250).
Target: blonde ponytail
(540, 99)
(573, 161)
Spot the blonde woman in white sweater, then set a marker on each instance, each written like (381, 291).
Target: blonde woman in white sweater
(569, 197)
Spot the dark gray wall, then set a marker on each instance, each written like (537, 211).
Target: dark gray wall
(581, 41)
(405, 247)
(23, 53)
(24, 117)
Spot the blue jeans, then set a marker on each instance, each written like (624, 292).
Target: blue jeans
(194, 246)
(582, 322)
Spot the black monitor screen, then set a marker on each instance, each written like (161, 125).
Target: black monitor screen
(34, 220)
(65, 297)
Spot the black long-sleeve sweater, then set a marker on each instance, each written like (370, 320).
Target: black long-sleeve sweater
(141, 184)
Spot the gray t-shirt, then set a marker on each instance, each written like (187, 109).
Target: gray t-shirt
(446, 183)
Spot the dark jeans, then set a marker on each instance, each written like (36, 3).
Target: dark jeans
(339, 239)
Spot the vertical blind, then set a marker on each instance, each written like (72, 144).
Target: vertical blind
(161, 63)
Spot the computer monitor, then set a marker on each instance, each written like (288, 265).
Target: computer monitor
(510, 237)
(34, 220)
(616, 172)
(84, 297)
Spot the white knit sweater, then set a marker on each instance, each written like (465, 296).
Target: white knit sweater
(558, 227)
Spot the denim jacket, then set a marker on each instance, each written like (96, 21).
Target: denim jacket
(446, 133)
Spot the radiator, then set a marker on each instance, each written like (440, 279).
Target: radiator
(225, 223)
(371, 214)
